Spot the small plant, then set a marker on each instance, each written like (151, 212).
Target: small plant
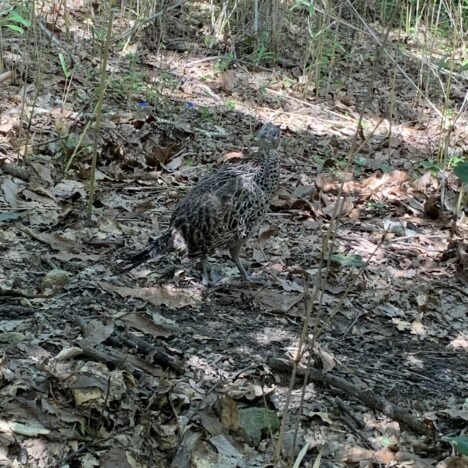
(317, 159)
(230, 104)
(223, 64)
(377, 206)
(340, 164)
(262, 54)
(288, 82)
(209, 40)
(205, 113)
(455, 160)
(10, 18)
(360, 161)
(309, 5)
(127, 85)
(66, 71)
(461, 171)
(432, 166)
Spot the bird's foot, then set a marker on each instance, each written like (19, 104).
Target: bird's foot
(210, 276)
(254, 279)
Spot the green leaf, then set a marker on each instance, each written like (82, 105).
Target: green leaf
(463, 67)
(256, 422)
(65, 69)
(461, 171)
(17, 18)
(347, 260)
(15, 28)
(460, 444)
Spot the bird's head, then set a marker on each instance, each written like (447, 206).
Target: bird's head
(268, 136)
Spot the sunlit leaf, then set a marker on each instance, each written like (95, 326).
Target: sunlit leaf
(17, 18)
(347, 260)
(461, 171)
(15, 28)
(460, 444)
(65, 69)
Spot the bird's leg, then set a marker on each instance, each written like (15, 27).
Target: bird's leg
(234, 251)
(205, 276)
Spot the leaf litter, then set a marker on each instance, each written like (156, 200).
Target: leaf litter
(150, 369)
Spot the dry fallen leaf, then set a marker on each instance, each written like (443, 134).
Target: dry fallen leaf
(30, 429)
(279, 301)
(68, 188)
(174, 164)
(169, 295)
(146, 325)
(230, 417)
(227, 80)
(10, 191)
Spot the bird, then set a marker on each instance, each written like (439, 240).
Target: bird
(223, 210)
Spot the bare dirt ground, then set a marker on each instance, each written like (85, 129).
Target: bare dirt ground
(150, 368)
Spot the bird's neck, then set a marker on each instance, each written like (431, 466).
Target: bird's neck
(269, 169)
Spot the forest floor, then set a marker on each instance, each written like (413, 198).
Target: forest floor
(150, 368)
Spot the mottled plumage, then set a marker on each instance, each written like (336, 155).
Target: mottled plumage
(223, 209)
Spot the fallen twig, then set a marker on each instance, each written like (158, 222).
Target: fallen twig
(365, 395)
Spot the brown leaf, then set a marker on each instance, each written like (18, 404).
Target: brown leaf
(227, 81)
(233, 155)
(146, 325)
(42, 199)
(266, 234)
(43, 172)
(116, 457)
(55, 241)
(230, 418)
(10, 191)
(453, 462)
(279, 301)
(161, 154)
(383, 456)
(96, 332)
(426, 183)
(174, 164)
(168, 295)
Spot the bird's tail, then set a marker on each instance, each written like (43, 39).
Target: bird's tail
(162, 245)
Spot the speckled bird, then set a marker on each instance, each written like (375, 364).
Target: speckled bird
(223, 210)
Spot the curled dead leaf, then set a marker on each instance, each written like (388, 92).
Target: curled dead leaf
(174, 164)
(233, 155)
(389, 184)
(330, 183)
(161, 155)
(44, 198)
(426, 183)
(266, 234)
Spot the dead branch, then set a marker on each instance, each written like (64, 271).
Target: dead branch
(366, 395)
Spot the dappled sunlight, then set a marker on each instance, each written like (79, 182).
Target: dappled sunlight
(131, 330)
(460, 342)
(414, 361)
(269, 335)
